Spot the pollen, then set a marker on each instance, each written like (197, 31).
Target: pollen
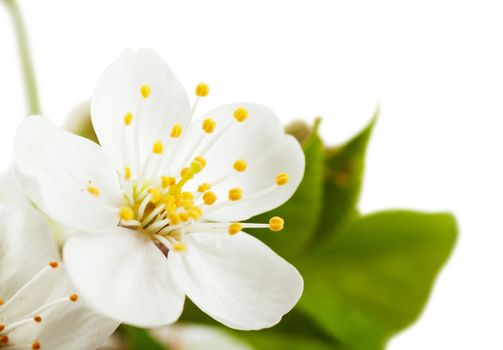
(74, 297)
(156, 196)
(176, 131)
(235, 228)
(241, 114)
(235, 194)
(179, 247)
(53, 264)
(187, 173)
(209, 198)
(127, 173)
(128, 118)
(167, 181)
(282, 179)
(197, 164)
(203, 187)
(184, 216)
(174, 218)
(202, 90)
(276, 224)
(208, 125)
(157, 148)
(145, 91)
(126, 213)
(37, 318)
(95, 191)
(240, 165)
(35, 345)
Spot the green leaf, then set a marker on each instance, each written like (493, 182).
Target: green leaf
(344, 167)
(374, 278)
(139, 339)
(302, 211)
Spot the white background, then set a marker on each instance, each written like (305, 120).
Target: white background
(436, 67)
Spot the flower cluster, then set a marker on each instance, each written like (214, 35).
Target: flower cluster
(160, 205)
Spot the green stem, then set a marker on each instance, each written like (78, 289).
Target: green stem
(24, 54)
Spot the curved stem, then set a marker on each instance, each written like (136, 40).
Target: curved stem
(24, 54)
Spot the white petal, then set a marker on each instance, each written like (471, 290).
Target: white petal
(10, 191)
(268, 151)
(118, 92)
(237, 279)
(124, 276)
(54, 168)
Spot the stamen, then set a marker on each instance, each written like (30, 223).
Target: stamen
(35, 345)
(53, 264)
(282, 179)
(1, 301)
(202, 90)
(241, 114)
(176, 131)
(208, 125)
(95, 191)
(197, 164)
(276, 223)
(37, 318)
(209, 198)
(157, 148)
(235, 194)
(126, 213)
(235, 228)
(167, 181)
(2, 326)
(179, 247)
(74, 297)
(128, 118)
(127, 173)
(203, 187)
(4, 339)
(240, 165)
(155, 195)
(145, 91)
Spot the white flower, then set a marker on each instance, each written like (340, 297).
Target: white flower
(159, 203)
(38, 307)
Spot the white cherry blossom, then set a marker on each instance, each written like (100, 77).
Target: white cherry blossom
(160, 203)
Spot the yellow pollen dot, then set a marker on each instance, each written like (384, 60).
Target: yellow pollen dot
(156, 196)
(74, 297)
(2, 327)
(176, 131)
(203, 187)
(187, 173)
(241, 114)
(179, 247)
(128, 118)
(194, 213)
(157, 147)
(276, 224)
(240, 165)
(145, 91)
(209, 198)
(282, 179)
(235, 194)
(235, 228)
(167, 181)
(197, 164)
(1, 301)
(202, 90)
(37, 318)
(95, 191)
(208, 125)
(127, 173)
(201, 160)
(174, 218)
(126, 213)
(35, 345)
(184, 216)
(53, 264)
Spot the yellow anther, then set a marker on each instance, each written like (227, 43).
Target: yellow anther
(194, 213)
(1, 301)
(202, 90)
(235, 194)
(127, 173)
(126, 213)
(37, 318)
(174, 218)
(197, 164)
(209, 198)
(188, 195)
(187, 173)
(128, 118)
(240, 165)
(53, 264)
(157, 147)
(282, 179)
(168, 201)
(145, 91)
(235, 228)
(167, 181)
(276, 223)
(241, 114)
(156, 196)
(74, 297)
(184, 216)
(36, 345)
(208, 125)
(176, 131)
(203, 187)
(95, 191)
(179, 247)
